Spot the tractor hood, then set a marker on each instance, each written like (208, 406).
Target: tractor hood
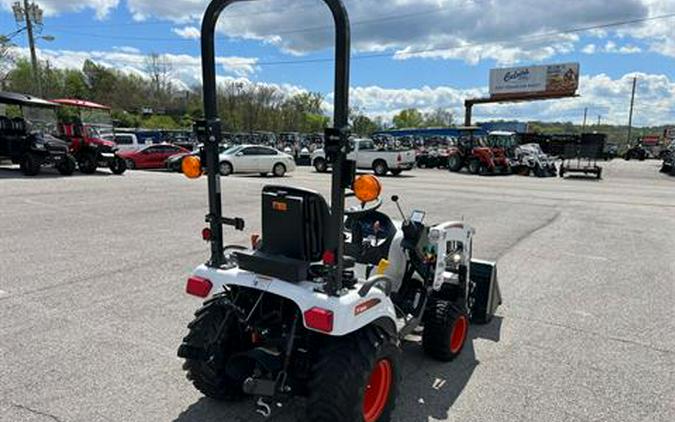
(102, 143)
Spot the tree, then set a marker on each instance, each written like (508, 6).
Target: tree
(438, 118)
(362, 124)
(409, 118)
(160, 70)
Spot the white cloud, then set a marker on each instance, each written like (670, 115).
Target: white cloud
(601, 94)
(186, 69)
(508, 31)
(188, 32)
(53, 7)
(611, 47)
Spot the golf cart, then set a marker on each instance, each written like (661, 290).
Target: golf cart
(472, 151)
(28, 140)
(86, 125)
(318, 306)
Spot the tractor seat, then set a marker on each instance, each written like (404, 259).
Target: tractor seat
(369, 245)
(295, 234)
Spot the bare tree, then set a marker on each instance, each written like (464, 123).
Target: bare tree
(6, 60)
(160, 70)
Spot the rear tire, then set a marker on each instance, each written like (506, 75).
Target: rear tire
(396, 172)
(445, 330)
(31, 165)
(356, 379)
(320, 165)
(380, 168)
(208, 374)
(67, 166)
(88, 164)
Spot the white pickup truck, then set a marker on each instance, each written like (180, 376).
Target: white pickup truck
(367, 156)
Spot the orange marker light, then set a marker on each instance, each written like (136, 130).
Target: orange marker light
(367, 188)
(191, 167)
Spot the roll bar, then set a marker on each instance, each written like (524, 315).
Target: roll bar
(211, 132)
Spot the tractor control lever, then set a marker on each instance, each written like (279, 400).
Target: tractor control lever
(238, 223)
(395, 200)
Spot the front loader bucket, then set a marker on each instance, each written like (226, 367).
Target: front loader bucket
(486, 294)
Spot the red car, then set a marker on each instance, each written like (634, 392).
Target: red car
(151, 157)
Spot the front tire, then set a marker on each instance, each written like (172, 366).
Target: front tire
(474, 167)
(279, 170)
(445, 330)
(455, 163)
(225, 168)
(118, 166)
(356, 379)
(396, 172)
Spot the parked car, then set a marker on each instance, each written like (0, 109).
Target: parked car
(151, 156)
(175, 162)
(256, 159)
(125, 141)
(368, 157)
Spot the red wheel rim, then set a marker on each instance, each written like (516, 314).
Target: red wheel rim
(377, 391)
(458, 334)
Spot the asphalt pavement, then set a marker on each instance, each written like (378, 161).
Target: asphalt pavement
(92, 309)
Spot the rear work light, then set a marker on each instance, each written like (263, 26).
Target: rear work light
(319, 319)
(198, 286)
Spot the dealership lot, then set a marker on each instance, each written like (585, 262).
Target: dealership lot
(92, 310)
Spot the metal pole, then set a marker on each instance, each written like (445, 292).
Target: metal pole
(599, 119)
(468, 107)
(214, 135)
(630, 115)
(583, 128)
(31, 45)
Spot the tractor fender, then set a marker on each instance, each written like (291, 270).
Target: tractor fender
(350, 312)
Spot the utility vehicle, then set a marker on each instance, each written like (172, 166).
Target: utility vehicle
(473, 152)
(531, 160)
(27, 138)
(367, 156)
(85, 125)
(318, 306)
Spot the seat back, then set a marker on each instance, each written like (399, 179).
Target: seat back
(295, 223)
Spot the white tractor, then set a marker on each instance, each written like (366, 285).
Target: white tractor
(318, 306)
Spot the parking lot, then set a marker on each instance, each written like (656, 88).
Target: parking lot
(92, 309)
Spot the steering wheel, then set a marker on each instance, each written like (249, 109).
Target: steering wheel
(355, 211)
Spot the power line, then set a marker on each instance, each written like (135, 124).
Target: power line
(533, 39)
(292, 31)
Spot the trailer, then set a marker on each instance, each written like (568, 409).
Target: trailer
(582, 157)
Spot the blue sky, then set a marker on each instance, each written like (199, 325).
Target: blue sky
(462, 41)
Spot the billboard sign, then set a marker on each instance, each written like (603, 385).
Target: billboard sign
(528, 80)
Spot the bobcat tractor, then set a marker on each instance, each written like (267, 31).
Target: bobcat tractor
(318, 305)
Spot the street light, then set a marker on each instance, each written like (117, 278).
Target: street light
(31, 14)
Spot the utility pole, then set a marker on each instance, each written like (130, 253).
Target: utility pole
(30, 14)
(585, 116)
(599, 119)
(630, 114)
